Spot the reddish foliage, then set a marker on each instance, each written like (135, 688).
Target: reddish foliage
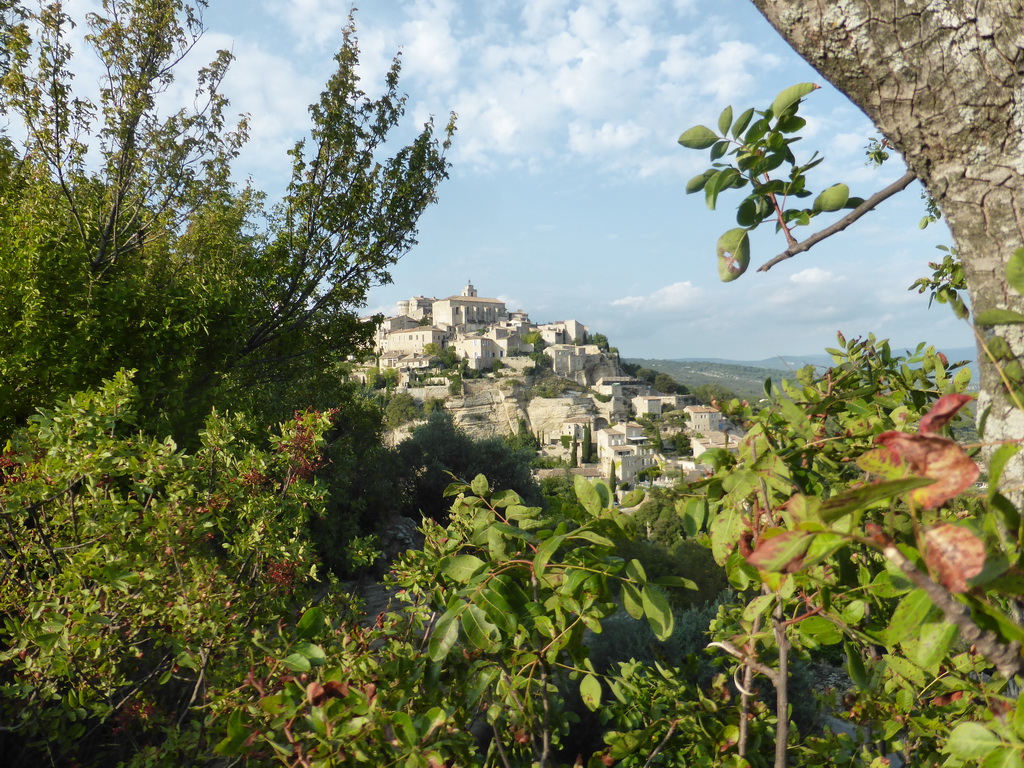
(942, 412)
(938, 458)
(955, 554)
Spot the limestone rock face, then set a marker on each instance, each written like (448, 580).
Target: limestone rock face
(547, 414)
(598, 367)
(488, 409)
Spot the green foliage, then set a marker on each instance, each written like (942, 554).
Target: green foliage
(438, 450)
(125, 243)
(845, 534)
(360, 475)
(665, 383)
(714, 393)
(484, 655)
(401, 409)
(946, 283)
(141, 576)
(759, 143)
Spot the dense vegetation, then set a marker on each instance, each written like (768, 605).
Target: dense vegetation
(176, 600)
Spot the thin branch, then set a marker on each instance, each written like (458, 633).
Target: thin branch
(1006, 658)
(753, 663)
(781, 688)
(897, 186)
(661, 746)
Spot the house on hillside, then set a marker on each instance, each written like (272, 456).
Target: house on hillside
(704, 418)
(414, 340)
(479, 352)
(627, 446)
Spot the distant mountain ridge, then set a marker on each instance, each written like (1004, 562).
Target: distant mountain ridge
(746, 377)
(786, 362)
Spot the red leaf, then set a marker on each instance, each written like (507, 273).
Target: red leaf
(955, 554)
(936, 457)
(942, 412)
(782, 553)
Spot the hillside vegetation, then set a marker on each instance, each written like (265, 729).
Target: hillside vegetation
(747, 382)
(193, 487)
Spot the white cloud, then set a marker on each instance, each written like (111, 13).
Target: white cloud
(671, 298)
(814, 277)
(314, 23)
(608, 138)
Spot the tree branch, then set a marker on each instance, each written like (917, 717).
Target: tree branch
(897, 186)
(1006, 658)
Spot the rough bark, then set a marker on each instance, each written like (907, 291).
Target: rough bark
(942, 80)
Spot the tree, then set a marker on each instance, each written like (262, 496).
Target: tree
(401, 409)
(667, 384)
(438, 449)
(125, 244)
(588, 445)
(938, 84)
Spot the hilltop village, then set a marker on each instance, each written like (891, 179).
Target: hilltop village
(498, 373)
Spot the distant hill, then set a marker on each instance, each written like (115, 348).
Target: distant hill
(746, 380)
(746, 377)
(793, 362)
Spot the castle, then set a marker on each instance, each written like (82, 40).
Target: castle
(483, 334)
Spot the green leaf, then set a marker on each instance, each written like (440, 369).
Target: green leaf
(631, 600)
(462, 568)
(716, 183)
(632, 499)
(698, 137)
(545, 552)
(480, 486)
(587, 495)
(832, 199)
(1015, 271)
(997, 464)
(746, 213)
(821, 630)
(971, 741)
(658, 612)
(694, 514)
(590, 692)
(733, 252)
(297, 663)
(725, 120)
(718, 150)
(908, 617)
(696, 184)
(930, 644)
(498, 609)
(742, 122)
(791, 96)
(588, 535)
(479, 630)
(1004, 757)
(998, 317)
(311, 651)
(444, 634)
(311, 623)
(855, 667)
(635, 571)
(840, 505)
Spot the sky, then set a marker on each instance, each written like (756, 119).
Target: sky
(566, 195)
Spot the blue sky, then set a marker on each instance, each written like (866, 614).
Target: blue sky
(566, 197)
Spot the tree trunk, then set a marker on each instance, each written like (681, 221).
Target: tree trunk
(942, 80)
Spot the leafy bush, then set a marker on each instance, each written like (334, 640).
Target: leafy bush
(142, 576)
